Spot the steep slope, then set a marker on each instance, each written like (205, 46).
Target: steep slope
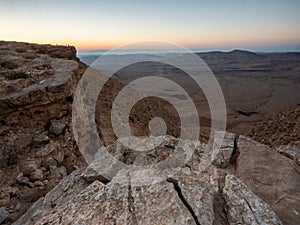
(281, 129)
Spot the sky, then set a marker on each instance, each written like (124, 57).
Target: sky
(258, 25)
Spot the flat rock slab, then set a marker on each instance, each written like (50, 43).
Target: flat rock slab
(272, 176)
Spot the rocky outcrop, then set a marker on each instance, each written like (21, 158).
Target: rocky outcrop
(272, 176)
(37, 147)
(290, 151)
(244, 206)
(191, 196)
(36, 88)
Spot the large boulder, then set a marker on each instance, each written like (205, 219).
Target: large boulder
(190, 196)
(271, 176)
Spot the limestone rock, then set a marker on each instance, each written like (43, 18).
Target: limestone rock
(223, 153)
(24, 181)
(36, 175)
(3, 215)
(244, 206)
(37, 87)
(4, 198)
(271, 176)
(29, 167)
(189, 196)
(57, 126)
(37, 83)
(41, 139)
(291, 152)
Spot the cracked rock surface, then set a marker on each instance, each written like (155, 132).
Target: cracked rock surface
(190, 196)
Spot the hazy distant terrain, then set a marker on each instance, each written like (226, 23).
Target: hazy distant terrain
(255, 86)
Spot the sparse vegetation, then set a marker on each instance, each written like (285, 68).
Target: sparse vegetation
(16, 75)
(9, 64)
(29, 55)
(21, 49)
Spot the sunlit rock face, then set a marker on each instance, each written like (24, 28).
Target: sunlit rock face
(221, 194)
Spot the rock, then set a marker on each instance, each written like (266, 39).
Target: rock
(4, 129)
(42, 93)
(6, 193)
(59, 156)
(271, 176)
(38, 184)
(57, 173)
(24, 181)
(222, 154)
(37, 83)
(23, 142)
(40, 139)
(12, 190)
(47, 149)
(90, 175)
(244, 206)
(190, 196)
(49, 161)
(57, 126)
(29, 167)
(36, 175)
(4, 198)
(3, 215)
(291, 152)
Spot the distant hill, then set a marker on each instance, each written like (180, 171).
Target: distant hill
(236, 55)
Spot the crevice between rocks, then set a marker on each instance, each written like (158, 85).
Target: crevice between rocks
(235, 153)
(130, 199)
(182, 198)
(219, 204)
(252, 211)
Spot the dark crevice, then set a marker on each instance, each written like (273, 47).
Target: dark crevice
(295, 169)
(130, 199)
(247, 113)
(219, 204)
(235, 153)
(182, 198)
(253, 212)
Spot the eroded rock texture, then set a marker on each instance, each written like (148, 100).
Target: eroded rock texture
(37, 147)
(191, 196)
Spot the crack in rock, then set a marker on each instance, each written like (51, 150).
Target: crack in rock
(182, 198)
(235, 153)
(131, 206)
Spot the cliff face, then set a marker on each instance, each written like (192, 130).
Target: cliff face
(37, 148)
(37, 82)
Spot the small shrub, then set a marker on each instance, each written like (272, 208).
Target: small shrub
(21, 49)
(9, 64)
(29, 55)
(16, 75)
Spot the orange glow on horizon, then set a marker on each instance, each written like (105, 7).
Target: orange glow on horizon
(212, 42)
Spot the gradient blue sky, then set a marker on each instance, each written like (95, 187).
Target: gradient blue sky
(259, 25)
